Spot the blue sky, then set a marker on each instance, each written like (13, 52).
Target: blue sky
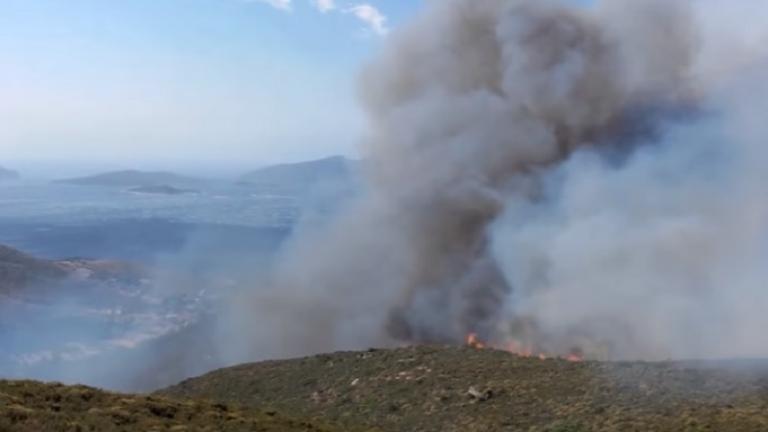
(168, 81)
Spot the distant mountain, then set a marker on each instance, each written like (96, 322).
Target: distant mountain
(20, 272)
(6, 174)
(132, 178)
(162, 190)
(303, 175)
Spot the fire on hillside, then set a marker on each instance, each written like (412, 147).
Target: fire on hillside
(521, 349)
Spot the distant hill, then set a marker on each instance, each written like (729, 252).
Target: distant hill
(6, 174)
(23, 274)
(304, 175)
(19, 270)
(133, 178)
(162, 190)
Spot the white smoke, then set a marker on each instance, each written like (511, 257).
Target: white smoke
(660, 257)
(564, 176)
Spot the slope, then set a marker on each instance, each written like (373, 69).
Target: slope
(463, 390)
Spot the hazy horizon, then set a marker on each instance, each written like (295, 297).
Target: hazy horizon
(211, 85)
(202, 84)
(51, 169)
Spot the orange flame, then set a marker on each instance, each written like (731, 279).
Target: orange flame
(574, 358)
(523, 350)
(473, 341)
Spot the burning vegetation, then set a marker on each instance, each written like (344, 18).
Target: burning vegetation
(526, 350)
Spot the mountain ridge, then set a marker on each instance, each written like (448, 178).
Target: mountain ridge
(132, 178)
(303, 175)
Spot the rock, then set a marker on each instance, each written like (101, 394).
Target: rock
(480, 396)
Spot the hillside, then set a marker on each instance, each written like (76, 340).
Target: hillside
(6, 174)
(29, 406)
(24, 274)
(132, 178)
(19, 270)
(465, 390)
(303, 175)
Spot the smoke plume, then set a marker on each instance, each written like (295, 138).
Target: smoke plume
(567, 177)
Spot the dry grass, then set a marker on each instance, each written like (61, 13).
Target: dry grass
(413, 389)
(35, 407)
(428, 389)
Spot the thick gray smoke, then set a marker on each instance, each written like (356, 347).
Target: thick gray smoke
(539, 172)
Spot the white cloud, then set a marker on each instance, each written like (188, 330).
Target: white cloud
(374, 20)
(284, 5)
(324, 5)
(372, 17)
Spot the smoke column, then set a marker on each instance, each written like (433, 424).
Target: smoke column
(565, 176)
